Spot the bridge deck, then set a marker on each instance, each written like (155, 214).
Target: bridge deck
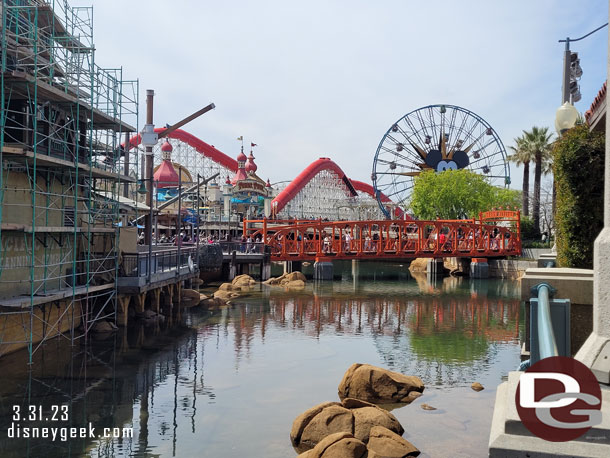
(494, 234)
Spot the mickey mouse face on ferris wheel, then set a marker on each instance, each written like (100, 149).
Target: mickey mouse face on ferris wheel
(457, 160)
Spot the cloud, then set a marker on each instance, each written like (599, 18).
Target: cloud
(327, 78)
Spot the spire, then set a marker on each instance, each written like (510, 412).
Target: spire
(166, 150)
(251, 166)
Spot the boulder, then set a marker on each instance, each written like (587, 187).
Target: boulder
(224, 295)
(243, 280)
(313, 425)
(384, 443)
(225, 287)
(292, 276)
(294, 284)
(477, 386)
(103, 326)
(212, 302)
(419, 265)
(377, 385)
(274, 280)
(288, 280)
(365, 418)
(337, 445)
(190, 298)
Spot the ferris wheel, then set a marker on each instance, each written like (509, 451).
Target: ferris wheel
(439, 138)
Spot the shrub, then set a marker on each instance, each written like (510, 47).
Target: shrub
(579, 174)
(528, 229)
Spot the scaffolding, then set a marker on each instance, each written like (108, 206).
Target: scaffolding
(62, 119)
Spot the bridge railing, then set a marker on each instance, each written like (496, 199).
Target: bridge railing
(493, 234)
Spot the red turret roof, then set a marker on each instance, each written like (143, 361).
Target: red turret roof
(250, 165)
(167, 147)
(166, 175)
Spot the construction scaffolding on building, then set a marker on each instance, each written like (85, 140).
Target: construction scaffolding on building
(62, 120)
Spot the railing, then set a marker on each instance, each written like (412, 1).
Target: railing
(136, 265)
(546, 343)
(243, 247)
(492, 235)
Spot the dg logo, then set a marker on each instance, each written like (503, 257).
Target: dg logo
(559, 399)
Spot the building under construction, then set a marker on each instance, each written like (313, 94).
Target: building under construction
(62, 121)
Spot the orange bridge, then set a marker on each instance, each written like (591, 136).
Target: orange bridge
(494, 234)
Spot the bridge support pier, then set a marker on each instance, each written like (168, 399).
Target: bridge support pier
(479, 268)
(265, 271)
(233, 266)
(322, 270)
(287, 267)
(355, 272)
(436, 267)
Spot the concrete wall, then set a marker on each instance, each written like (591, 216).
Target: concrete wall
(509, 269)
(533, 253)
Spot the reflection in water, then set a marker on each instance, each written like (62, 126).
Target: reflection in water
(229, 382)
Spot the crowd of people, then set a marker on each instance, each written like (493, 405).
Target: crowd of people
(183, 238)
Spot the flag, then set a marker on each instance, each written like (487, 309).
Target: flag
(253, 145)
(240, 138)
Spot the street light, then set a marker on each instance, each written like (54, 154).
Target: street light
(566, 117)
(572, 70)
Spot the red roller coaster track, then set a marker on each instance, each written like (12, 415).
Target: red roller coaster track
(201, 146)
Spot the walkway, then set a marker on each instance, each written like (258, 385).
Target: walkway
(493, 234)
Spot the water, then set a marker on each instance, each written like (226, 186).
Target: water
(229, 382)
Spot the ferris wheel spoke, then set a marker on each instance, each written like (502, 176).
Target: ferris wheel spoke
(444, 130)
(395, 153)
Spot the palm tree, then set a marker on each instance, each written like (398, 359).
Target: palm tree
(521, 156)
(538, 143)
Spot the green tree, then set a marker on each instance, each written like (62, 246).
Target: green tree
(538, 143)
(579, 174)
(457, 194)
(521, 156)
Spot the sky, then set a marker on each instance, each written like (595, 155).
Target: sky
(327, 78)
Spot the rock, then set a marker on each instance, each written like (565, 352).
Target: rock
(103, 326)
(412, 396)
(212, 302)
(190, 298)
(419, 265)
(477, 386)
(292, 276)
(337, 445)
(225, 295)
(427, 407)
(313, 425)
(243, 280)
(377, 385)
(274, 280)
(384, 443)
(294, 284)
(225, 287)
(366, 418)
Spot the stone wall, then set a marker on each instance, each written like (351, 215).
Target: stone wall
(508, 268)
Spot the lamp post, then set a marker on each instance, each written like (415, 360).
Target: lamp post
(567, 60)
(565, 117)
(197, 213)
(149, 139)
